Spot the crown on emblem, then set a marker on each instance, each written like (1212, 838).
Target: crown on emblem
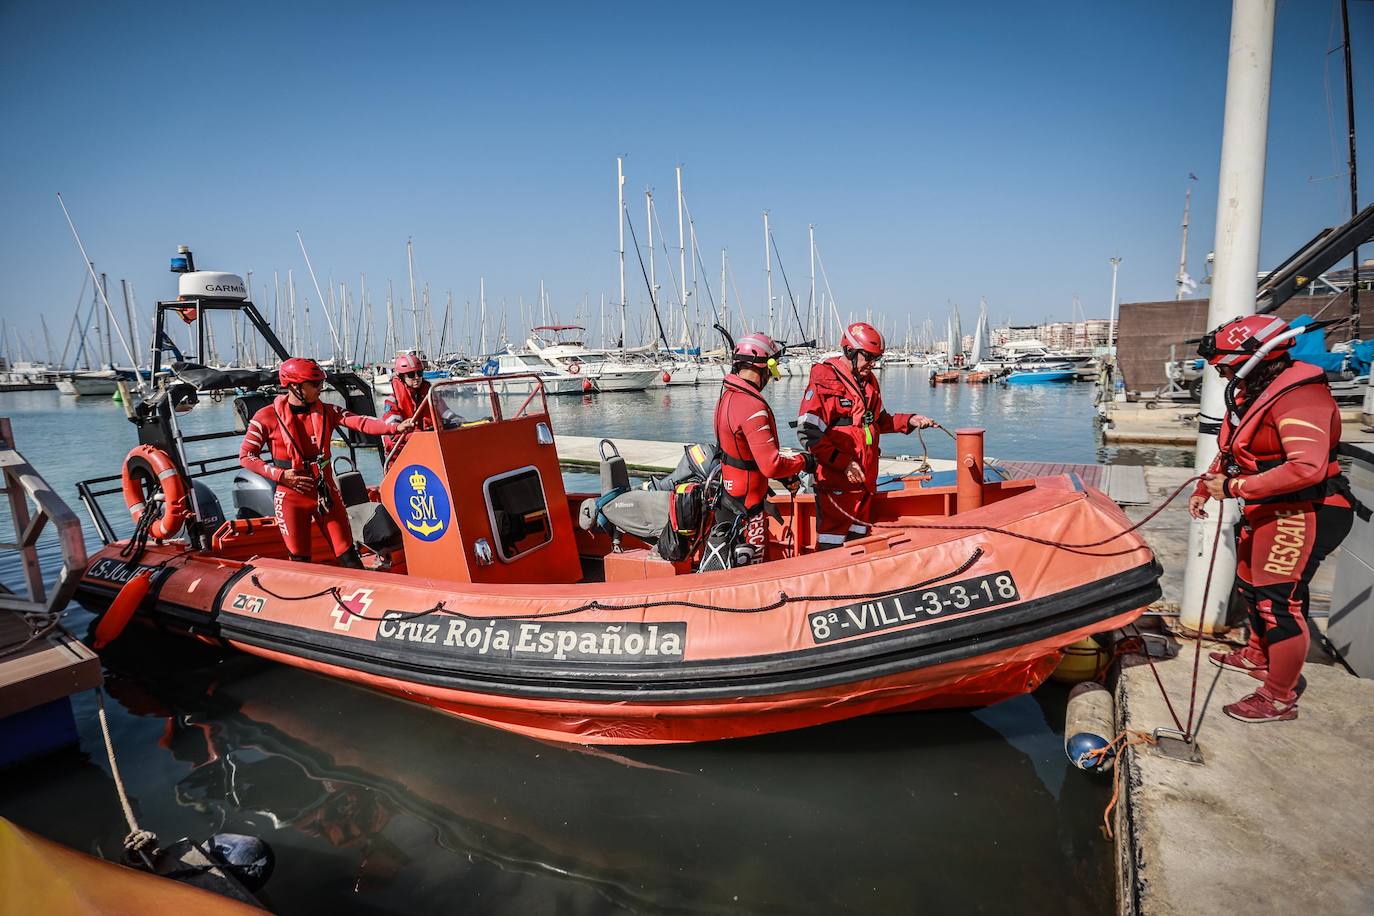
(418, 481)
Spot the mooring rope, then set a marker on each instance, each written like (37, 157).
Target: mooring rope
(783, 600)
(138, 841)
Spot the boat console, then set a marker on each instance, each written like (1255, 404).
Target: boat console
(480, 498)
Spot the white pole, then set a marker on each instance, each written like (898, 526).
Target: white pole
(620, 215)
(334, 335)
(482, 312)
(1111, 325)
(1183, 248)
(724, 299)
(768, 268)
(1240, 206)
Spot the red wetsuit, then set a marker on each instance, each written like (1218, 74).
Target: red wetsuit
(748, 439)
(297, 441)
(840, 420)
(399, 406)
(1279, 457)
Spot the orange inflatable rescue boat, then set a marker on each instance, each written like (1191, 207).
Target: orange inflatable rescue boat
(485, 599)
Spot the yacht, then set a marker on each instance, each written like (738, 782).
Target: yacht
(565, 352)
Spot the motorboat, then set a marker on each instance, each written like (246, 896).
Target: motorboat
(482, 597)
(1032, 376)
(559, 346)
(515, 368)
(90, 383)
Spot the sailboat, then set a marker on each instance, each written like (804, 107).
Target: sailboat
(979, 351)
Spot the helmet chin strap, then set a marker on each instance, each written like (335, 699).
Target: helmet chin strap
(1255, 359)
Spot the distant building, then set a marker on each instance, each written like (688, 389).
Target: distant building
(1057, 335)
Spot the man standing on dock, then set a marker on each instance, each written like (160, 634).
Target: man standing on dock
(748, 438)
(841, 418)
(1277, 445)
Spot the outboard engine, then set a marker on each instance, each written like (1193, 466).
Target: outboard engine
(252, 495)
(211, 512)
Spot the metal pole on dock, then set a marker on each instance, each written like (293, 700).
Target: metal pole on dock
(1240, 206)
(1111, 325)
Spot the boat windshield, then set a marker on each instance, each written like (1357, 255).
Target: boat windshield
(487, 400)
(588, 358)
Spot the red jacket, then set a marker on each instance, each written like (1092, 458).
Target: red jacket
(748, 439)
(298, 439)
(840, 420)
(400, 405)
(1283, 442)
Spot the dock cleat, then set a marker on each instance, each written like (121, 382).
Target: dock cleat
(1259, 708)
(1239, 660)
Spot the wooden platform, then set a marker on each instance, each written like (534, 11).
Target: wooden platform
(48, 669)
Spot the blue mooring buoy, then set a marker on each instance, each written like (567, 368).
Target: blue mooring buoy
(1089, 726)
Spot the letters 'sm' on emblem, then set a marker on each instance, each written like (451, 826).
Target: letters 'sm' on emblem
(347, 607)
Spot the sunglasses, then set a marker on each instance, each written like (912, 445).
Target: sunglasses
(406, 375)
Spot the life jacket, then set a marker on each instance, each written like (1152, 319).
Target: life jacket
(303, 439)
(1252, 442)
(849, 415)
(402, 406)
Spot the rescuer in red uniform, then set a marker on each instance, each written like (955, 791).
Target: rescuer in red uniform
(841, 418)
(297, 427)
(1277, 455)
(408, 391)
(748, 438)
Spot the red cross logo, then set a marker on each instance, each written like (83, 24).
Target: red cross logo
(1237, 335)
(347, 607)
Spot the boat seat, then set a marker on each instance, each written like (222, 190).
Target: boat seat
(352, 487)
(642, 513)
(373, 527)
(245, 405)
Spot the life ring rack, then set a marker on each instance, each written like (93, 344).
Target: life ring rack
(149, 472)
(574, 365)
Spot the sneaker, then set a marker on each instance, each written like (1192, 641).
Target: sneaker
(1259, 708)
(1238, 660)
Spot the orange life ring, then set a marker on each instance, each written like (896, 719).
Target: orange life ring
(147, 470)
(575, 366)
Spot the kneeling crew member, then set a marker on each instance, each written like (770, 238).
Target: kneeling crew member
(748, 438)
(1277, 454)
(297, 427)
(841, 418)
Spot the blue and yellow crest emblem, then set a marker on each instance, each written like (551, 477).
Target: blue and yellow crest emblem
(422, 503)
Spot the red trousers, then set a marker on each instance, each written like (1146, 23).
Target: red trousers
(295, 514)
(834, 525)
(1278, 549)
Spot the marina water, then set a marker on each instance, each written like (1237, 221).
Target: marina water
(379, 806)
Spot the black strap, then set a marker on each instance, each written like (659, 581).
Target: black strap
(742, 464)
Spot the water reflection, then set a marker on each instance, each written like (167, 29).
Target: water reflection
(376, 804)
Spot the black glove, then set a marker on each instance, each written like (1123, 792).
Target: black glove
(810, 462)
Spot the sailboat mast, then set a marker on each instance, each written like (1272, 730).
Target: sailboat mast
(482, 313)
(414, 313)
(812, 313)
(620, 215)
(768, 269)
(1354, 184)
(682, 257)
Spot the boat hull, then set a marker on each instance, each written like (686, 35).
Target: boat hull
(1036, 378)
(907, 619)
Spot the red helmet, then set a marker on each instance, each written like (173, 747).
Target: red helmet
(299, 369)
(757, 348)
(863, 336)
(1236, 341)
(408, 362)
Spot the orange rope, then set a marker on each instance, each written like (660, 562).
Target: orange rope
(1127, 738)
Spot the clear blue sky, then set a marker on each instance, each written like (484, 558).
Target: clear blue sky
(944, 152)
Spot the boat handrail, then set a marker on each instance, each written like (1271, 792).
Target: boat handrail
(498, 414)
(22, 484)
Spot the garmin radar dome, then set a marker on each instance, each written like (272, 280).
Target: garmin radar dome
(210, 284)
